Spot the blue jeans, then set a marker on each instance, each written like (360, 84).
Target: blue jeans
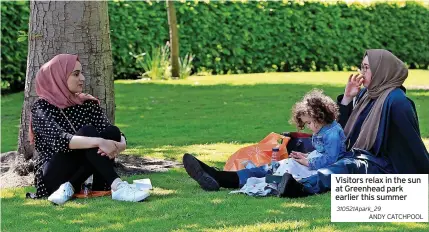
(321, 182)
(258, 172)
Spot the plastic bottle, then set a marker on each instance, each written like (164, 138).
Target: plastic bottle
(87, 187)
(274, 159)
(248, 164)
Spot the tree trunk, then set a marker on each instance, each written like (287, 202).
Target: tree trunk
(73, 27)
(174, 39)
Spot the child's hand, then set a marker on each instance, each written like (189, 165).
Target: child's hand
(298, 155)
(303, 161)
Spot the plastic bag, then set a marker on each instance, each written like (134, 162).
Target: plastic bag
(258, 154)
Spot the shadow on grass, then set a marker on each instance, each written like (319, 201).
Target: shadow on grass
(188, 209)
(213, 122)
(178, 204)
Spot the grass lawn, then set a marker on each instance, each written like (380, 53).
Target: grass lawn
(210, 116)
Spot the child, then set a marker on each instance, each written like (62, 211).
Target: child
(318, 113)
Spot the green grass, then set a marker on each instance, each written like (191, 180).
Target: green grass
(212, 117)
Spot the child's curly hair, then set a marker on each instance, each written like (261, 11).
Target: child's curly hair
(321, 108)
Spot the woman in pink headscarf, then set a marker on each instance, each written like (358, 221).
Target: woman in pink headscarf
(73, 137)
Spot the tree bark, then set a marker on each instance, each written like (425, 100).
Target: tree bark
(73, 27)
(174, 39)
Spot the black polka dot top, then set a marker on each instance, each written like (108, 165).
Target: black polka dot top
(52, 131)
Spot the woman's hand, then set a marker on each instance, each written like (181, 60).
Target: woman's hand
(352, 88)
(108, 148)
(120, 147)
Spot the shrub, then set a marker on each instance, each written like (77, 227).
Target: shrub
(157, 65)
(260, 36)
(246, 37)
(14, 21)
(186, 66)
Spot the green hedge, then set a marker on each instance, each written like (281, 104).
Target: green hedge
(237, 37)
(14, 18)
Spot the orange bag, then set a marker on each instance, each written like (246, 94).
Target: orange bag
(259, 154)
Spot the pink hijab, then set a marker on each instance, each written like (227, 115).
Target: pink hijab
(51, 84)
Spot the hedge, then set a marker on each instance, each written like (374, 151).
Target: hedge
(14, 18)
(253, 36)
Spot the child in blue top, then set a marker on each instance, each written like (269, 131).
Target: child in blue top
(318, 113)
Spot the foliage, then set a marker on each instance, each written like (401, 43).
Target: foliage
(186, 66)
(156, 66)
(253, 36)
(136, 27)
(14, 25)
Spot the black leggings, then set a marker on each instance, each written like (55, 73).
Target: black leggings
(79, 164)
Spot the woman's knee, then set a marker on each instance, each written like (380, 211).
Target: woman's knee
(88, 131)
(112, 133)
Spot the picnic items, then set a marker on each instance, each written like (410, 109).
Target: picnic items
(86, 192)
(268, 185)
(257, 187)
(274, 159)
(90, 194)
(300, 142)
(143, 184)
(260, 154)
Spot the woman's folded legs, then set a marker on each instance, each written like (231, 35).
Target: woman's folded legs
(66, 172)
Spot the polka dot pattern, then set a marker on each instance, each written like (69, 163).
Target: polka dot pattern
(52, 131)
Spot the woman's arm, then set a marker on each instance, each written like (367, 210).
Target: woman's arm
(352, 88)
(405, 121)
(345, 111)
(98, 118)
(83, 142)
(345, 101)
(46, 130)
(122, 145)
(100, 121)
(110, 148)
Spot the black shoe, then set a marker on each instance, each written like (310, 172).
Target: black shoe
(195, 169)
(212, 171)
(289, 187)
